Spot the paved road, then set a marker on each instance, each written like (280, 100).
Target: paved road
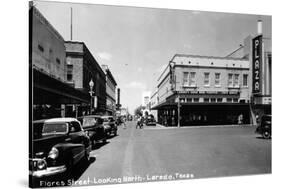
(161, 154)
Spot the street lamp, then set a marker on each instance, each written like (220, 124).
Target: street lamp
(91, 84)
(173, 83)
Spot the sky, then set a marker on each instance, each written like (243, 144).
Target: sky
(138, 43)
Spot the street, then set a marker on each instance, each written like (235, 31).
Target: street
(154, 154)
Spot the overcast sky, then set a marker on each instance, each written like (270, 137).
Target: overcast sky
(137, 43)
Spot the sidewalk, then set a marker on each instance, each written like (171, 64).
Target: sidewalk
(159, 126)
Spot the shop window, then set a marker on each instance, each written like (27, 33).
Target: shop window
(229, 100)
(182, 100)
(219, 99)
(206, 100)
(213, 100)
(195, 99)
(235, 99)
(189, 100)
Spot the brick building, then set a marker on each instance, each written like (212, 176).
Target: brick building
(110, 91)
(47, 68)
(81, 68)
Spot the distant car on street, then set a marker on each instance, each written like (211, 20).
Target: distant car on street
(150, 120)
(264, 127)
(93, 125)
(57, 145)
(110, 124)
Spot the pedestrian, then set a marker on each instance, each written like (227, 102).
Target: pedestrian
(123, 123)
(138, 122)
(240, 119)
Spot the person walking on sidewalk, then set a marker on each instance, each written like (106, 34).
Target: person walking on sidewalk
(123, 122)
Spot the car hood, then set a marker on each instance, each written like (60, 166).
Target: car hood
(41, 147)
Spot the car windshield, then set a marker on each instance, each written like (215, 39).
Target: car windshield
(89, 121)
(54, 128)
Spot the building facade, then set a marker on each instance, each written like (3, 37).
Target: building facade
(258, 50)
(47, 68)
(203, 90)
(81, 68)
(48, 50)
(110, 91)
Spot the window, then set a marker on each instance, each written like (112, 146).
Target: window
(207, 79)
(245, 80)
(235, 99)
(213, 100)
(54, 128)
(195, 99)
(185, 78)
(230, 80)
(69, 72)
(40, 48)
(189, 78)
(236, 80)
(217, 79)
(192, 79)
(219, 99)
(229, 100)
(206, 99)
(189, 100)
(58, 60)
(74, 127)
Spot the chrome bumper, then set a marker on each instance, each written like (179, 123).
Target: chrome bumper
(49, 171)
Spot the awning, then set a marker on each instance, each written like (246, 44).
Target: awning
(49, 90)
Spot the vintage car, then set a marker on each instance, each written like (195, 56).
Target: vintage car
(150, 120)
(57, 145)
(110, 124)
(93, 125)
(264, 127)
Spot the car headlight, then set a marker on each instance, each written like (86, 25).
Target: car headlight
(54, 153)
(41, 164)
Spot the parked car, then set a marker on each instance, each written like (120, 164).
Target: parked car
(110, 124)
(150, 120)
(264, 127)
(93, 125)
(58, 145)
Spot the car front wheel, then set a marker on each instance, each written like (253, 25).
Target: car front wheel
(266, 134)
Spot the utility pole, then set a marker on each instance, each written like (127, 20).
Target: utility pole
(70, 23)
(179, 110)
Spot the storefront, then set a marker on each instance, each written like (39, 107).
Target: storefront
(202, 109)
(51, 98)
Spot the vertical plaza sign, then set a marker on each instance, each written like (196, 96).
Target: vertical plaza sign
(257, 63)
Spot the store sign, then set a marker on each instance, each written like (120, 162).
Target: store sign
(257, 62)
(210, 92)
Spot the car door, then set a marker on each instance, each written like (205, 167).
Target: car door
(77, 137)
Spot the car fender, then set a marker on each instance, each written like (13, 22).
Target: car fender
(70, 150)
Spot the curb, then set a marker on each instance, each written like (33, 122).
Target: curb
(158, 126)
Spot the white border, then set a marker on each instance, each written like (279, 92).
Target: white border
(14, 90)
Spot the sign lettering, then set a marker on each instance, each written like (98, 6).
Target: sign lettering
(257, 60)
